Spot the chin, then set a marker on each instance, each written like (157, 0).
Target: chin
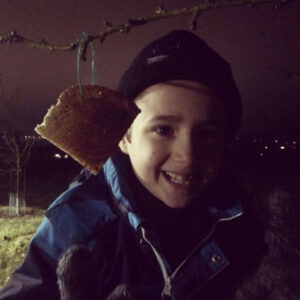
(180, 204)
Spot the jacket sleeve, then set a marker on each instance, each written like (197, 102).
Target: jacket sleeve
(36, 277)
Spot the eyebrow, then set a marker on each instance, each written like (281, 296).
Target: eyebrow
(213, 122)
(165, 118)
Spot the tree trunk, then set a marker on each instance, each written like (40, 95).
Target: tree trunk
(17, 204)
(18, 171)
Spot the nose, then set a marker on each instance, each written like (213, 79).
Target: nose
(184, 150)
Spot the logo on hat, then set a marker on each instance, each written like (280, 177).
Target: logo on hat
(155, 59)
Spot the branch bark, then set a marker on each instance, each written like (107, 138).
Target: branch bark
(160, 13)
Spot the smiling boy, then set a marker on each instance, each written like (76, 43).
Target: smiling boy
(175, 144)
(163, 219)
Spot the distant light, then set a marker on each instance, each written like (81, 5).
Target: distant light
(276, 141)
(254, 140)
(66, 156)
(294, 142)
(261, 154)
(57, 155)
(266, 147)
(282, 147)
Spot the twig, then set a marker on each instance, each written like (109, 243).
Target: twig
(27, 151)
(9, 143)
(159, 13)
(7, 170)
(194, 19)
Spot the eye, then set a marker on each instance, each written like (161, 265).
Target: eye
(210, 134)
(164, 130)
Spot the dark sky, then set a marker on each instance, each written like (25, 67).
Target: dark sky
(262, 43)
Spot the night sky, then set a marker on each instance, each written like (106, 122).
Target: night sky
(262, 43)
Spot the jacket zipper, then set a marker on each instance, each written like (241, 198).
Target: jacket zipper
(169, 279)
(197, 247)
(158, 257)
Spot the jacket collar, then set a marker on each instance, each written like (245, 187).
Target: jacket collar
(224, 205)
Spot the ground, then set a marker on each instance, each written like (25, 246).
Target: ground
(15, 235)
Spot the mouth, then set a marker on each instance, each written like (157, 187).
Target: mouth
(180, 180)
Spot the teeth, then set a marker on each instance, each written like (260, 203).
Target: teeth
(178, 178)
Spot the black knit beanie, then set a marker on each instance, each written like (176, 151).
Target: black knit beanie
(182, 55)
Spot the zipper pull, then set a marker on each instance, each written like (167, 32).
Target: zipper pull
(166, 293)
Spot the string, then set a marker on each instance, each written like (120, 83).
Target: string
(80, 48)
(93, 63)
(82, 42)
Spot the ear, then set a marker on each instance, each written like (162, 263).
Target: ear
(123, 144)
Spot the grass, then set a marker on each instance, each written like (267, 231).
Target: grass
(15, 235)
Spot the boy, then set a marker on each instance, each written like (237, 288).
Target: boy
(162, 220)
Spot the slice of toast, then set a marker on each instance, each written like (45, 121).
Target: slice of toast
(88, 127)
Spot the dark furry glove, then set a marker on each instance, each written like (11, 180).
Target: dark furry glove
(277, 277)
(121, 292)
(76, 274)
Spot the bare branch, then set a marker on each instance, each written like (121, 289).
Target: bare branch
(8, 141)
(23, 152)
(8, 170)
(13, 153)
(160, 13)
(8, 164)
(14, 144)
(28, 152)
(194, 19)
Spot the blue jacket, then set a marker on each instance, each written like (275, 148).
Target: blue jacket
(97, 212)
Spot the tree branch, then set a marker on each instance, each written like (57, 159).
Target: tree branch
(27, 151)
(9, 141)
(160, 13)
(7, 170)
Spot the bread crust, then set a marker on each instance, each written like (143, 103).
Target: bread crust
(88, 127)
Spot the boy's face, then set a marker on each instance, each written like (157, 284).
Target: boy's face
(175, 144)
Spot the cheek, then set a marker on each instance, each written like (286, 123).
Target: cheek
(154, 150)
(212, 154)
(154, 155)
(209, 173)
(147, 162)
(154, 161)
(211, 162)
